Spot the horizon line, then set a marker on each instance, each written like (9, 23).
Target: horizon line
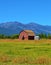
(23, 23)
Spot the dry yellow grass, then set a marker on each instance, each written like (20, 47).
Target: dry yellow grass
(28, 41)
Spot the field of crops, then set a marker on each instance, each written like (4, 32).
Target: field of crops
(25, 52)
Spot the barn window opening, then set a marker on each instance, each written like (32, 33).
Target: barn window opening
(23, 38)
(31, 37)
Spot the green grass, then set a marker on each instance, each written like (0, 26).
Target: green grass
(23, 53)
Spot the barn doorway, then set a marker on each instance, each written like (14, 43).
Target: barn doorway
(23, 38)
(30, 37)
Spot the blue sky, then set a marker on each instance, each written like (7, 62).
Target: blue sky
(25, 11)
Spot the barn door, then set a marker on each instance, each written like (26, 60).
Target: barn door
(23, 38)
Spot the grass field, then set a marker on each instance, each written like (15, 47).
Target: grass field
(26, 52)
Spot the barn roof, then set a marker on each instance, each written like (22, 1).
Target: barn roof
(29, 32)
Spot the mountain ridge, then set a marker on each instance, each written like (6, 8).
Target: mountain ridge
(9, 28)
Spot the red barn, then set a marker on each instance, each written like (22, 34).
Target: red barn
(26, 35)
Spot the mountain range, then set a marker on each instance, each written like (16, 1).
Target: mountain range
(9, 28)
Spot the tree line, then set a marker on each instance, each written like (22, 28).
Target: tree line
(44, 36)
(16, 36)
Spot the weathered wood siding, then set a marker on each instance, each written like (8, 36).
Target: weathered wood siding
(23, 33)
